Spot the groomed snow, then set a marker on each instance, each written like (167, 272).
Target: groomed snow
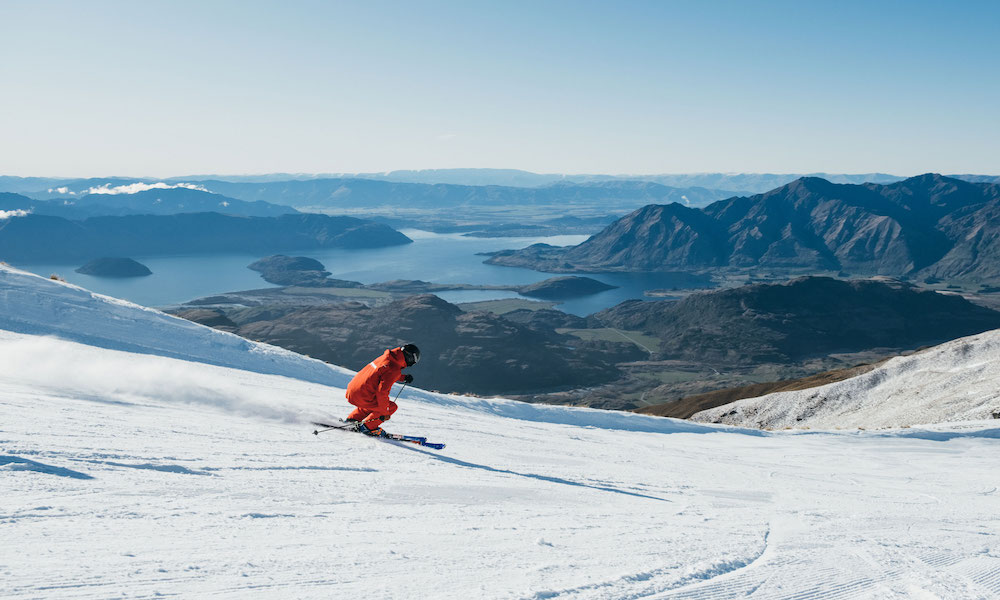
(956, 381)
(130, 469)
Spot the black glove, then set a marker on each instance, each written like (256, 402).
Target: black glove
(407, 378)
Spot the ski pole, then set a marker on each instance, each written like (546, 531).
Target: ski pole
(319, 431)
(399, 392)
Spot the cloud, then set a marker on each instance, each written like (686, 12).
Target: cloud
(62, 190)
(8, 214)
(134, 188)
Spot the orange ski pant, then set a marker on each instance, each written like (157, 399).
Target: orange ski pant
(377, 416)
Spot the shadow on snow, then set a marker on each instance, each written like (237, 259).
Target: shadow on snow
(23, 464)
(558, 480)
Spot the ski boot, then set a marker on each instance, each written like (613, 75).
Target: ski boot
(362, 428)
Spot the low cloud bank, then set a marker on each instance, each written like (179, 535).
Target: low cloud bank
(134, 188)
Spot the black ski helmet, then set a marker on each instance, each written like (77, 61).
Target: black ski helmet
(411, 354)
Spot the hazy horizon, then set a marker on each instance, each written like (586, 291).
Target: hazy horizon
(316, 175)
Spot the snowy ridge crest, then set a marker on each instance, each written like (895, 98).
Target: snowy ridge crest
(38, 306)
(955, 381)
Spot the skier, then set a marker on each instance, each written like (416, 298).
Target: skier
(369, 390)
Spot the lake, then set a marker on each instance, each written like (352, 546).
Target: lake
(438, 258)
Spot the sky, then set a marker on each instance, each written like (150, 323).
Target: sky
(159, 89)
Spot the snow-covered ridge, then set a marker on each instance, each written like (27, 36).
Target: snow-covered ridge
(38, 306)
(955, 381)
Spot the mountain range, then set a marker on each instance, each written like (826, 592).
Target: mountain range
(745, 183)
(156, 201)
(738, 182)
(350, 193)
(926, 226)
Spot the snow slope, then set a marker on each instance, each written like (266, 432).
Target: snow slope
(956, 381)
(142, 456)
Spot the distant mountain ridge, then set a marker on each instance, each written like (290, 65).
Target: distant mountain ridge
(928, 225)
(350, 191)
(40, 238)
(338, 193)
(147, 202)
(745, 183)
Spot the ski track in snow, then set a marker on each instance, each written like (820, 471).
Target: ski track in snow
(127, 472)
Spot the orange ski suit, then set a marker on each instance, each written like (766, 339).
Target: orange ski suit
(369, 390)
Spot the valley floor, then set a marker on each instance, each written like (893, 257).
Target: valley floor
(131, 475)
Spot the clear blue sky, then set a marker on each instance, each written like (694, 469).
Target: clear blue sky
(98, 88)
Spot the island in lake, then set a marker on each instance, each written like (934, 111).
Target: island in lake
(304, 272)
(114, 267)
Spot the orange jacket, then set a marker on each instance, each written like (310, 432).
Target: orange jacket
(370, 387)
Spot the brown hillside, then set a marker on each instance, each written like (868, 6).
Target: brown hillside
(685, 407)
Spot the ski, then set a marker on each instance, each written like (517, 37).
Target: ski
(406, 438)
(420, 441)
(411, 439)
